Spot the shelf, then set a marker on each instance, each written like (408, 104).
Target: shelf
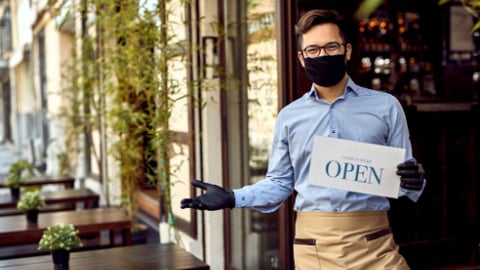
(444, 106)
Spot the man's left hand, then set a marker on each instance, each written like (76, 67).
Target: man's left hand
(411, 175)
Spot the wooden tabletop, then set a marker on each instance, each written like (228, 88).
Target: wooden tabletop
(56, 197)
(16, 229)
(67, 181)
(144, 257)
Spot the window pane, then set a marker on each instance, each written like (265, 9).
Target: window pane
(262, 241)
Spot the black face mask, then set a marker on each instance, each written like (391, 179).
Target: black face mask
(326, 70)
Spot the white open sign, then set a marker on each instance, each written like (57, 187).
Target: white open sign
(356, 166)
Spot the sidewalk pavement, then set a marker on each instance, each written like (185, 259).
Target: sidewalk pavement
(7, 157)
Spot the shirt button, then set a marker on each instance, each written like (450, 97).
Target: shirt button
(333, 131)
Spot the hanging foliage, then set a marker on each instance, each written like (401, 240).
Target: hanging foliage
(122, 91)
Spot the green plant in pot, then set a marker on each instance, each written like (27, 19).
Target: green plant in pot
(16, 176)
(60, 239)
(31, 202)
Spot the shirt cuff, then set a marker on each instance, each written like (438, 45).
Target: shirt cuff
(413, 195)
(242, 198)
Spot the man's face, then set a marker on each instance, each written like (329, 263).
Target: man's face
(321, 35)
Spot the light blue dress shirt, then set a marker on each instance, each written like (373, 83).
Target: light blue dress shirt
(360, 114)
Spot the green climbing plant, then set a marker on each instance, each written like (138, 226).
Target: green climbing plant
(120, 87)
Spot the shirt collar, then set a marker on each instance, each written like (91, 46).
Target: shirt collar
(351, 88)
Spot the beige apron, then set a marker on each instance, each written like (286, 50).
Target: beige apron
(351, 240)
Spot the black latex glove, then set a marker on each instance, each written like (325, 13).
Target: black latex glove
(411, 175)
(214, 198)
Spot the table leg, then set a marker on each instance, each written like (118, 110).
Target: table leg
(112, 238)
(127, 236)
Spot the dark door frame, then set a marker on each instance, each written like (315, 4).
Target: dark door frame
(289, 76)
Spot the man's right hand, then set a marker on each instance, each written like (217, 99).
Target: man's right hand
(214, 198)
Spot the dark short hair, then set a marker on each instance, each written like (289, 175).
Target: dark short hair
(316, 17)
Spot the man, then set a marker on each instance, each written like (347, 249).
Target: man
(335, 229)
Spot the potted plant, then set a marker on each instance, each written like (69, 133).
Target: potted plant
(60, 239)
(31, 202)
(14, 182)
(16, 176)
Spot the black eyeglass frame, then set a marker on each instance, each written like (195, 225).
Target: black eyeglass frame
(324, 48)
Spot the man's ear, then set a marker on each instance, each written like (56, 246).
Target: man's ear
(300, 58)
(349, 51)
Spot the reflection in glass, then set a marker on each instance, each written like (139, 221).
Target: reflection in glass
(262, 242)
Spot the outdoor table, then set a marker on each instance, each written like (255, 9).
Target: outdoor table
(16, 230)
(148, 256)
(67, 181)
(55, 200)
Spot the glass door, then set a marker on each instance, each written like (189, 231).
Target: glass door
(262, 244)
(256, 235)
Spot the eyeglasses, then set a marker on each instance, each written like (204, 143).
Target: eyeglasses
(331, 48)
